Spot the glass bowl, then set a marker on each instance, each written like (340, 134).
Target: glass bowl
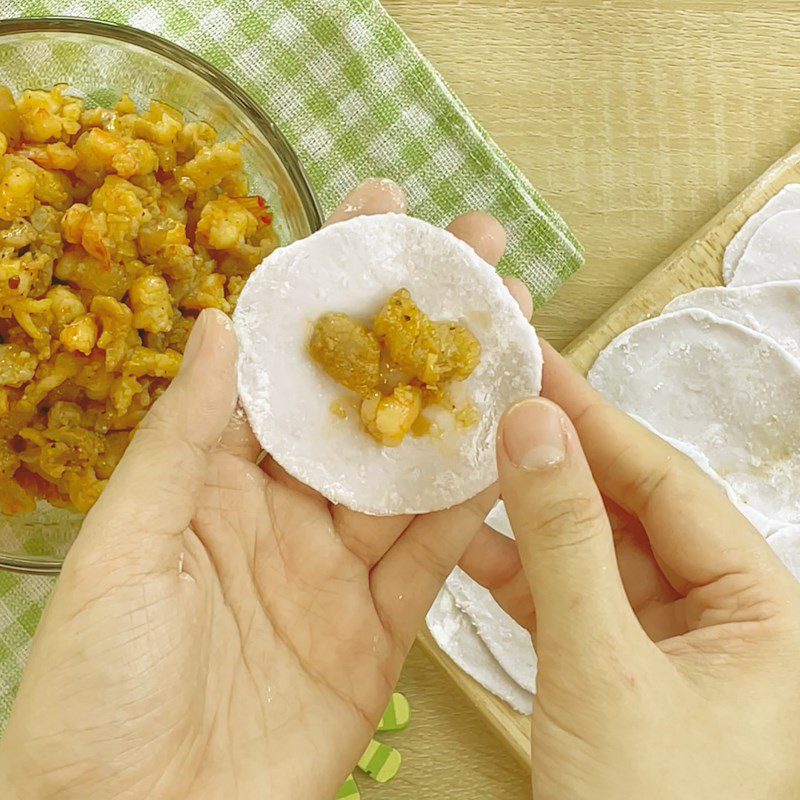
(99, 61)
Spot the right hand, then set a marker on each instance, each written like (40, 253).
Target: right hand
(668, 645)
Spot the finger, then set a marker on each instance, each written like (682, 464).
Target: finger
(278, 474)
(519, 291)
(159, 479)
(562, 530)
(367, 537)
(487, 237)
(482, 232)
(664, 620)
(406, 580)
(493, 561)
(238, 437)
(373, 196)
(650, 479)
(643, 579)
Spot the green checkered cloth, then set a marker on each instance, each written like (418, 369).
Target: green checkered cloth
(356, 99)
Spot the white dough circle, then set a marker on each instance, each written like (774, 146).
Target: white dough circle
(773, 252)
(769, 308)
(353, 267)
(455, 634)
(732, 393)
(787, 199)
(506, 640)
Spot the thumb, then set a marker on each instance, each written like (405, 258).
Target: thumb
(562, 531)
(156, 484)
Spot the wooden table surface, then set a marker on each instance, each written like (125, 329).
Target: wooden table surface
(638, 121)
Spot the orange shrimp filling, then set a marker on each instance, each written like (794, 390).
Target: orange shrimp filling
(117, 227)
(404, 364)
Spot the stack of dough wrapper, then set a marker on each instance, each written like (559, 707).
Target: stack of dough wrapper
(717, 374)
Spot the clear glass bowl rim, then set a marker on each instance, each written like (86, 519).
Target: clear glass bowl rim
(171, 52)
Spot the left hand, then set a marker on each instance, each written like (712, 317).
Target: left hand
(220, 630)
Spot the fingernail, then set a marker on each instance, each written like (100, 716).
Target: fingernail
(208, 319)
(533, 435)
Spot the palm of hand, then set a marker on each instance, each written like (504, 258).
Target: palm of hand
(264, 635)
(308, 651)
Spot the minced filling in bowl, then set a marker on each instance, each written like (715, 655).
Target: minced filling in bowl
(137, 187)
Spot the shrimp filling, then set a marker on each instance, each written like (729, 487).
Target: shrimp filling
(405, 363)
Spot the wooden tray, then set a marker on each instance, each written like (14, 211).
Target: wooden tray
(696, 263)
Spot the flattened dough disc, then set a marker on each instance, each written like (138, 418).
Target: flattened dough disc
(769, 308)
(787, 199)
(508, 642)
(353, 267)
(773, 252)
(456, 635)
(498, 519)
(730, 392)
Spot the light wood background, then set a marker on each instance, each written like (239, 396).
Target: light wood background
(638, 121)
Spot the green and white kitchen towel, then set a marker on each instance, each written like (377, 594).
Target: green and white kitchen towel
(356, 99)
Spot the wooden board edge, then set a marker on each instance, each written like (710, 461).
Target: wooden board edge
(511, 727)
(663, 283)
